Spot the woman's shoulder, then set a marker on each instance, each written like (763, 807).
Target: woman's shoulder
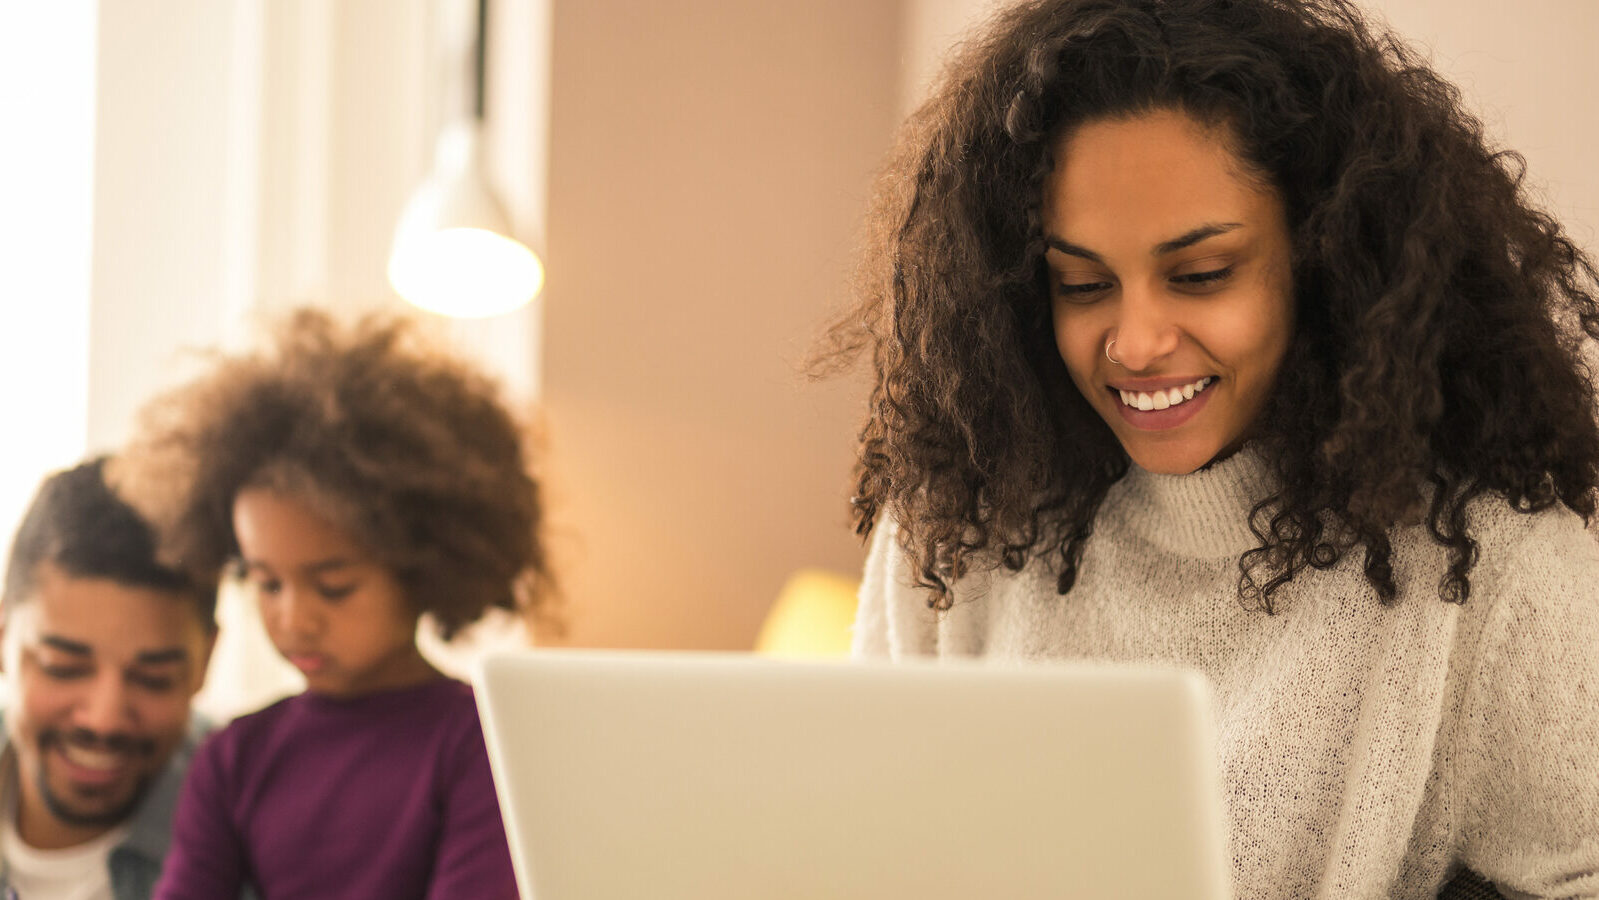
(1536, 578)
(1513, 543)
(896, 617)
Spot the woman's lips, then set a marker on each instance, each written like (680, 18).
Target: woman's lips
(1162, 419)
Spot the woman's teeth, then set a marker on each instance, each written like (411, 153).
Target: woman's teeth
(1148, 400)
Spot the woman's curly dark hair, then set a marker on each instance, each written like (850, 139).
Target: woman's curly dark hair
(1441, 316)
(407, 449)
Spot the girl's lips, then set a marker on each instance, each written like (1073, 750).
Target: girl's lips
(307, 662)
(1162, 419)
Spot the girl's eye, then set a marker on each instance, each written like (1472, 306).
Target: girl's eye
(1212, 278)
(268, 586)
(332, 592)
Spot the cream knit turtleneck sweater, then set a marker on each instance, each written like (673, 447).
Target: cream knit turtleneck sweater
(1366, 750)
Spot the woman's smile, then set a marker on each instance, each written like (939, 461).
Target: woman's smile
(1163, 405)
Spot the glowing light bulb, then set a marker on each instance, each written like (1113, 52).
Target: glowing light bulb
(451, 254)
(464, 272)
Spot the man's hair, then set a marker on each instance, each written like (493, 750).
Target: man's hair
(77, 524)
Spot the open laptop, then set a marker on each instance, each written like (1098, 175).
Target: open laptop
(689, 776)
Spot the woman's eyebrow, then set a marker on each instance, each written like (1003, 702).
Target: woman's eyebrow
(1194, 236)
(1071, 249)
(1186, 239)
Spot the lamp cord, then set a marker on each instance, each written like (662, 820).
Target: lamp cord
(480, 61)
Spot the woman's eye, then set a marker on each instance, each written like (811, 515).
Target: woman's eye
(1081, 292)
(1204, 279)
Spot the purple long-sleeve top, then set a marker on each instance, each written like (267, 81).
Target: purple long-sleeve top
(387, 795)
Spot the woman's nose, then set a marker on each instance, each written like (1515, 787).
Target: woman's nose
(1145, 332)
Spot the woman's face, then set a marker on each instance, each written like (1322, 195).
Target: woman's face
(1165, 250)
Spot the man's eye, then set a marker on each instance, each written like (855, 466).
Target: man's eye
(64, 673)
(158, 683)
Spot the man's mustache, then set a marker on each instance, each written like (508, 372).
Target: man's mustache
(118, 742)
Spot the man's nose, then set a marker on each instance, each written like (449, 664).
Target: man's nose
(107, 707)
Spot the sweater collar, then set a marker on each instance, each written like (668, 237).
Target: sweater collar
(1204, 514)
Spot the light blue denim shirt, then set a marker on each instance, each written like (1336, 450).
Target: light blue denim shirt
(135, 863)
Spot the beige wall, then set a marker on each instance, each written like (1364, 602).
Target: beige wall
(709, 162)
(1530, 73)
(931, 29)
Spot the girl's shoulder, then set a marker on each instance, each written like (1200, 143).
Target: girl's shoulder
(250, 725)
(444, 706)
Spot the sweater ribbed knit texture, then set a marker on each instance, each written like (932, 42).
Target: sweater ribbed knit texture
(1367, 751)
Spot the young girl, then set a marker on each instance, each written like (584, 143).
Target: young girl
(1212, 332)
(357, 481)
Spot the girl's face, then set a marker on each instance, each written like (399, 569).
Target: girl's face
(1163, 249)
(332, 611)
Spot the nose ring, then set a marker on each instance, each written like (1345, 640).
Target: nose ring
(1113, 359)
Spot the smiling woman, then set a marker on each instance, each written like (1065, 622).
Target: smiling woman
(1213, 333)
(1159, 246)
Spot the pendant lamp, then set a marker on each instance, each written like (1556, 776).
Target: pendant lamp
(453, 251)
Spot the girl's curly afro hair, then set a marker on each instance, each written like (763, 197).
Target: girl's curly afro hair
(407, 449)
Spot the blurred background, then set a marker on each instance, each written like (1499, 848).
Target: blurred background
(691, 172)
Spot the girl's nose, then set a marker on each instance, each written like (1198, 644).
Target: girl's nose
(297, 613)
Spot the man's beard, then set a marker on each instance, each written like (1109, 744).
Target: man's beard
(123, 744)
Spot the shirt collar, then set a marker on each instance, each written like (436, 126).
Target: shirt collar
(150, 827)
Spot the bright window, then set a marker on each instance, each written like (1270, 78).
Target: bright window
(47, 69)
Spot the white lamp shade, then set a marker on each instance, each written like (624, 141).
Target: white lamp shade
(452, 254)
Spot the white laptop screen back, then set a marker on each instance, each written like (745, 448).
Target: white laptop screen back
(709, 776)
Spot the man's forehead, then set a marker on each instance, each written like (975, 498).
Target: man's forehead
(96, 615)
(75, 638)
